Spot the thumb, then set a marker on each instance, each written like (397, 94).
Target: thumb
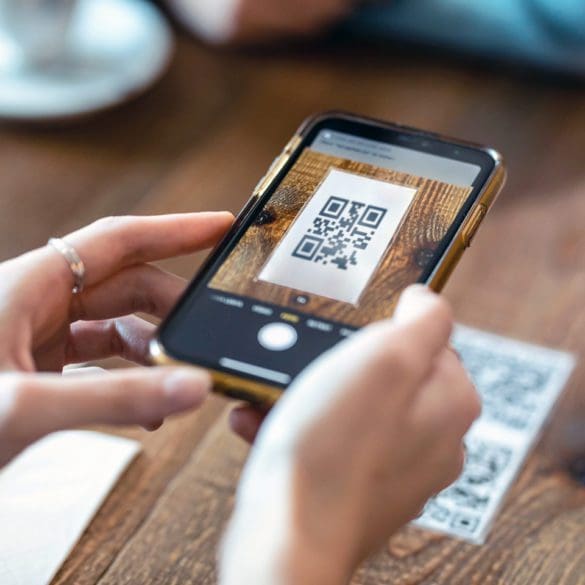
(425, 320)
(136, 396)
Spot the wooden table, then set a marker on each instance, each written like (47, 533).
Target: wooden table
(200, 140)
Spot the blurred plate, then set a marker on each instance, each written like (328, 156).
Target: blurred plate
(117, 49)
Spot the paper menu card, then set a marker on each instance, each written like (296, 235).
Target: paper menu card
(48, 496)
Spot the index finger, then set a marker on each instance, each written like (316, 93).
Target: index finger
(112, 243)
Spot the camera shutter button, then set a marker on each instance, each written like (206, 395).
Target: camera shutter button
(277, 336)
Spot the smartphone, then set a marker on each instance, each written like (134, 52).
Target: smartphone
(349, 214)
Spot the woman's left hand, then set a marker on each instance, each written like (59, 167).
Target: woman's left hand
(45, 327)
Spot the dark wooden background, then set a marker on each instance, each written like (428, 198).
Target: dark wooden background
(200, 140)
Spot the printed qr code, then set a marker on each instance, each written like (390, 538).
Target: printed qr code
(338, 233)
(484, 464)
(461, 507)
(519, 384)
(510, 388)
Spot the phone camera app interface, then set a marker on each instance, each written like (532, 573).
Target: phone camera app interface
(348, 227)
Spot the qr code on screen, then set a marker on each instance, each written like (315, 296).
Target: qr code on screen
(341, 230)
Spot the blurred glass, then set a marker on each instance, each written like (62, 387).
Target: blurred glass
(36, 30)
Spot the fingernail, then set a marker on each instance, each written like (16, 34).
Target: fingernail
(186, 389)
(417, 291)
(412, 301)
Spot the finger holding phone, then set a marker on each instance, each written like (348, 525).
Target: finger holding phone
(45, 327)
(352, 452)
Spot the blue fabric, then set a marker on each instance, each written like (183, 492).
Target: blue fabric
(549, 33)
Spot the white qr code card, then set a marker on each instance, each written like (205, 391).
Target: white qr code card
(519, 385)
(340, 236)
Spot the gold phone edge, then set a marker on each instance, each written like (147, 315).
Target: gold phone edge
(224, 384)
(467, 230)
(233, 386)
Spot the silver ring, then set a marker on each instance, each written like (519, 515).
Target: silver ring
(72, 258)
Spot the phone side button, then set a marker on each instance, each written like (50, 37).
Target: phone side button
(275, 168)
(472, 224)
(259, 187)
(245, 210)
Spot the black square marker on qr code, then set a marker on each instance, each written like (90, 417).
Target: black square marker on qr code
(338, 239)
(341, 229)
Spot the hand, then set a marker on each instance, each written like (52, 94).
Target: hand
(352, 451)
(245, 21)
(44, 327)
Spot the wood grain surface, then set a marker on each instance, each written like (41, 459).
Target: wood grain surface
(201, 140)
(429, 217)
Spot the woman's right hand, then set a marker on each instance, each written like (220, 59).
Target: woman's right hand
(353, 450)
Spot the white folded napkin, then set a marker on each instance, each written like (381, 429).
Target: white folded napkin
(49, 494)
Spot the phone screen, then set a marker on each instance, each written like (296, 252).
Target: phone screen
(360, 213)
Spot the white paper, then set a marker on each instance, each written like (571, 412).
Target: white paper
(49, 494)
(340, 236)
(519, 384)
